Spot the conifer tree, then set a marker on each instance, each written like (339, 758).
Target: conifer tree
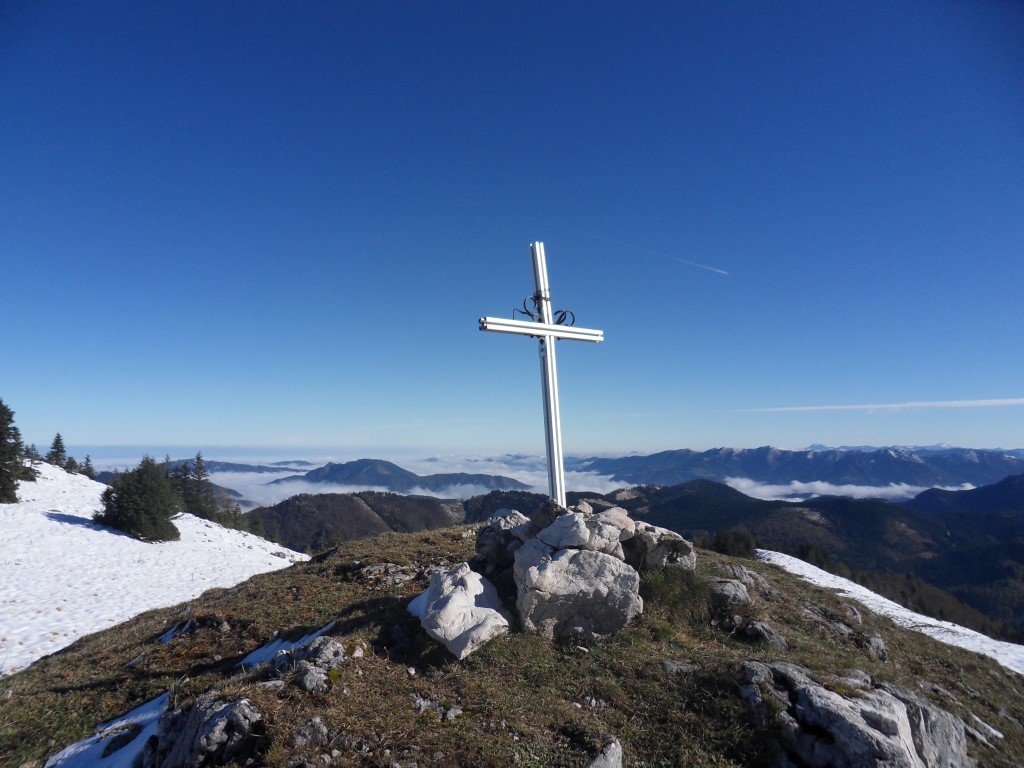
(33, 455)
(12, 457)
(87, 468)
(57, 455)
(181, 480)
(142, 502)
(203, 504)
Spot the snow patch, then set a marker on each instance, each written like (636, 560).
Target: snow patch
(89, 753)
(64, 576)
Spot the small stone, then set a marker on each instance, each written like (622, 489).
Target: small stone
(312, 734)
(762, 632)
(728, 593)
(310, 677)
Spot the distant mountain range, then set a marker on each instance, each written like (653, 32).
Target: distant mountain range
(933, 466)
(377, 473)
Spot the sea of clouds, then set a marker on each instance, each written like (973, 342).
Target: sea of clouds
(796, 490)
(256, 487)
(527, 469)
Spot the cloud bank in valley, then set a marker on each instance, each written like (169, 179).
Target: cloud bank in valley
(529, 470)
(796, 490)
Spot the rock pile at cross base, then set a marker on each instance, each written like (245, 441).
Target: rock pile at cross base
(569, 574)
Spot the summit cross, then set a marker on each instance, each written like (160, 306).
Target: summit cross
(545, 328)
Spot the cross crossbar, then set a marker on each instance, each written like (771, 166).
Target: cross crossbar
(537, 329)
(546, 332)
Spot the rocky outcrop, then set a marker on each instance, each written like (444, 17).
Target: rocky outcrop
(863, 725)
(210, 732)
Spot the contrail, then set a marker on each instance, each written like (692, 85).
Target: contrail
(591, 235)
(894, 406)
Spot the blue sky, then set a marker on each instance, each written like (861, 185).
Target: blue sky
(276, 224)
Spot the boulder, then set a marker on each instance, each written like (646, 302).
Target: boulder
(210, 732)
(576, 530)
(872, 725)
(574, 592)
(727, 595)
(568, 531)
(461, 610)
(654, 549)
(620, 518)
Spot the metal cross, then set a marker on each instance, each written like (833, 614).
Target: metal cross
(544, 328)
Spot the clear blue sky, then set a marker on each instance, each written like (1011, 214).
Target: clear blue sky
(276, 224)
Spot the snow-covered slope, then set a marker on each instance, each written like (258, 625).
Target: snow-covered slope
(62, 576)
(1009, 655)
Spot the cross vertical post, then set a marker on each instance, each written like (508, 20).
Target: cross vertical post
(546, 330)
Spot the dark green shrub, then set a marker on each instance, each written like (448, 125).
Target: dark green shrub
(739, 542)
(142, 502)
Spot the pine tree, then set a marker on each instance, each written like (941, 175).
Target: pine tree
(33, 455)
(203, 502)
(87, 468)
(57, 455)
(181, 480)
(230, 516)
(142, 502)
(12, 457)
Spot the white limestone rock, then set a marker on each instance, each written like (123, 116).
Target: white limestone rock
(876, 725)
(461, 610)
(620, 518)
(574, 592)
(576, 530)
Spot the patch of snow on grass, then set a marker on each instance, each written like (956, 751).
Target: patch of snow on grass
(90, 752)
